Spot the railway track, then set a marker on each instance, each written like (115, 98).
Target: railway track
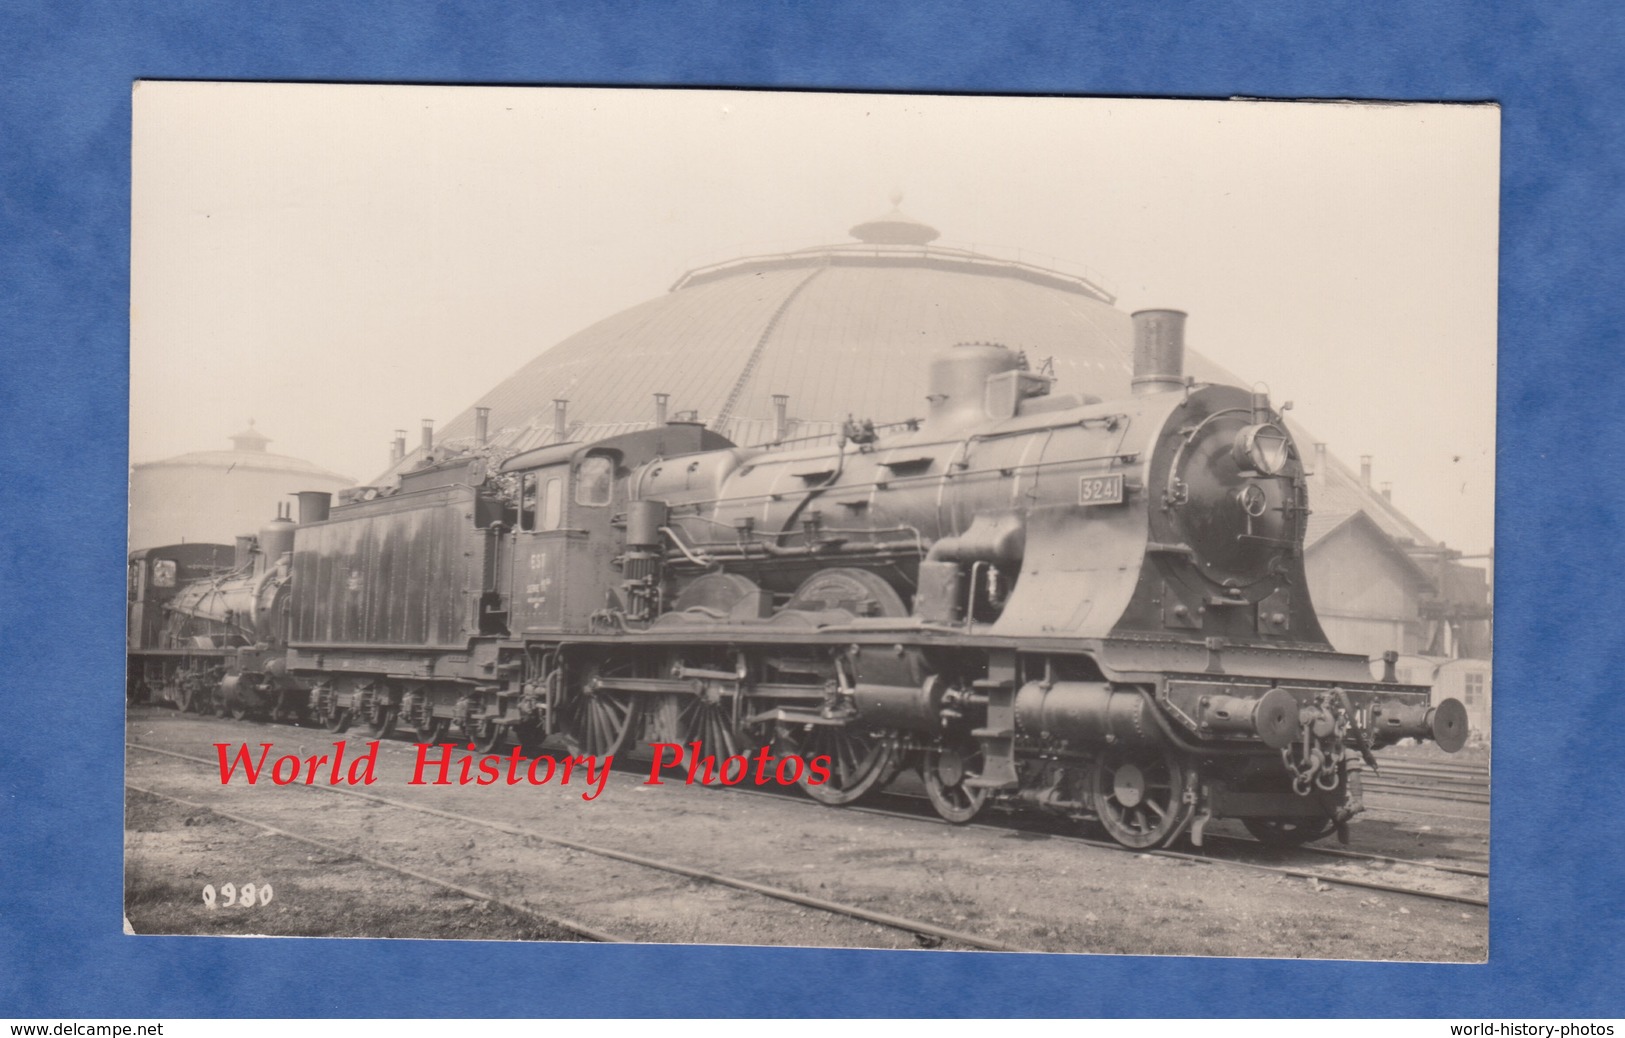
(1450, 767)
(1426, 793)
(1387, 809)
(926, 933)
(1387, 859)
(569, 925)
(1205, 859)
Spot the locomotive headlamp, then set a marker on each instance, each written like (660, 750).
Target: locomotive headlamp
(1264, 449)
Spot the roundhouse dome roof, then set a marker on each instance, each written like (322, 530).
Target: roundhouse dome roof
(248, 454)
(844, 329)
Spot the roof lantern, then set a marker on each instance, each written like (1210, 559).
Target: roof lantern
(250, 439)
(895, 228)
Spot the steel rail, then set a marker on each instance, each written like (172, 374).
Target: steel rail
(1445, 785)
(1465, 899)
(1437, 767)
(1386, 809)
(1397, 789)
(344, 852)
(884, 919)
(1338, 852)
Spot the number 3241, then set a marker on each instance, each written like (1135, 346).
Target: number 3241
(246, 896)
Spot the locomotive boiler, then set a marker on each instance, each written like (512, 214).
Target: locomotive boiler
(217, 643)
(1091, 607)
(1096, 606)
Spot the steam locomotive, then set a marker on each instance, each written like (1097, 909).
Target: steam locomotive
(1090, 607)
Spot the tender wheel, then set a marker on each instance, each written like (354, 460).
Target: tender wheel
(599, 720)
(336, 719)
(487, 736)
(858, 761)
(434, 732)
(380, 719)
(1138, 795)
(1288, 832)
(945, 771)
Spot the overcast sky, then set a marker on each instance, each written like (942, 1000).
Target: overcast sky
(339, 261)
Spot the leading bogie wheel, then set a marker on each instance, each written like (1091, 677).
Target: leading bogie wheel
(946, 770)
(1289, 832)
(1284, 832)
(1139, 795)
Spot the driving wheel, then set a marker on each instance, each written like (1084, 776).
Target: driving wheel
(1139, 795)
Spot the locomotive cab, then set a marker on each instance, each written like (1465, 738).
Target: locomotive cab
(572, 498)
(157, 657)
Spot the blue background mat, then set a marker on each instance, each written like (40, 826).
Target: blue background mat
(66, 72)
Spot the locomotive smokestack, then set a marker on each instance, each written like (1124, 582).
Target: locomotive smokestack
(397, 449)
(560, 424)
(781, 415)
(314, 506)
(1159, 350)
(661, 400)
(482, 425)
(428, 435)
(1365, 471)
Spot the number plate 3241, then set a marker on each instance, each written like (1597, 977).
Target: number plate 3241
(1101, 490)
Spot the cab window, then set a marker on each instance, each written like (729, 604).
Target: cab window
(594, 480)
(541, 502)
(553, 503)
(527, 501)
(163, 573)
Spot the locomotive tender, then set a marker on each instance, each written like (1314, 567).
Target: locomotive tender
(1096, 608)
